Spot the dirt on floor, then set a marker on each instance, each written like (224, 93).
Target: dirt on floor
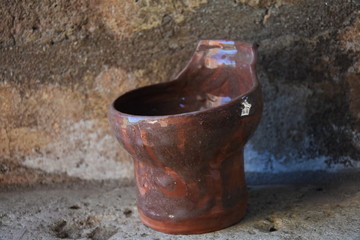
(326, 206)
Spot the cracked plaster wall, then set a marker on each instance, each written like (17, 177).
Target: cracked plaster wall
(62, 62)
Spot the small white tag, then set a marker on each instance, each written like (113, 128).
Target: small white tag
(246, 110)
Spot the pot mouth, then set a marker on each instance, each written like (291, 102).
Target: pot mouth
(220, 73)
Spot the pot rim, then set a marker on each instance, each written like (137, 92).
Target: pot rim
(242, 97)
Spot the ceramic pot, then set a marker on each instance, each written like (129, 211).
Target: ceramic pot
(187, 136)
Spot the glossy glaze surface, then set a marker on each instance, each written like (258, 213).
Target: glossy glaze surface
(187, 136)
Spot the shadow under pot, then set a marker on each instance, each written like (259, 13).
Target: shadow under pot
(187, 137)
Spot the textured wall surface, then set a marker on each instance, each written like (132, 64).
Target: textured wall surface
(62, 62)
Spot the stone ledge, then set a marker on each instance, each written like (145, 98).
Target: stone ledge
(322, 206)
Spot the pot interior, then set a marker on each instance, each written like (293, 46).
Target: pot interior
(219, 72)
(185, 96)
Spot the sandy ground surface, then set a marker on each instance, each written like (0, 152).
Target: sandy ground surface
(319, 206)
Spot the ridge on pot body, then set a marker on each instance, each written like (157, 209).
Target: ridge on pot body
(186, 137)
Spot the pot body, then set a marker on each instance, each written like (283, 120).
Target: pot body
(189, 167)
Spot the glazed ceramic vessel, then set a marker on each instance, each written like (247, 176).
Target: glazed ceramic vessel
(187, 136)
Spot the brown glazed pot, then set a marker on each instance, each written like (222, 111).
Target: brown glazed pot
(187, 137)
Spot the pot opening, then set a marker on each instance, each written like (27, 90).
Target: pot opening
(219, 72)
(179, 97)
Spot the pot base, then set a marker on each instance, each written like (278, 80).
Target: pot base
(202, 224)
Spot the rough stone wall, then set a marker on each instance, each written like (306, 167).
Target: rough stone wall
(62, 62)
